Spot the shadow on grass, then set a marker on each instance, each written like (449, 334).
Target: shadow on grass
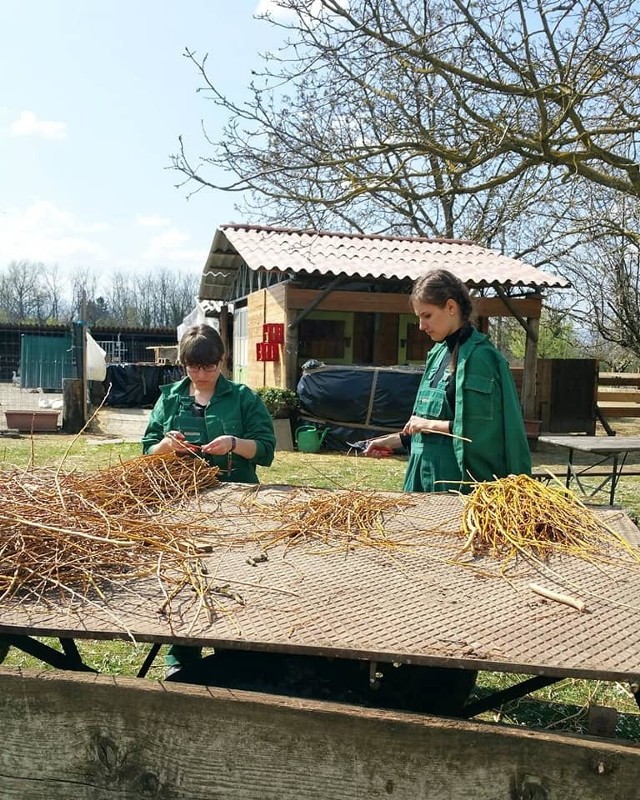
(553, 717)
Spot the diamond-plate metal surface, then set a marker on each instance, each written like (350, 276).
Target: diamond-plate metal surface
(411, 601)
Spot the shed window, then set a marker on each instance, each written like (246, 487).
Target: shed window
(322, 338)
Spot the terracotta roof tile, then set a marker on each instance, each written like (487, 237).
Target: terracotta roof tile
(366, 256)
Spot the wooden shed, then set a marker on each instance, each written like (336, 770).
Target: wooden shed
(286, 296)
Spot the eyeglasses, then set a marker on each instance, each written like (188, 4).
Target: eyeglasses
(201, 368)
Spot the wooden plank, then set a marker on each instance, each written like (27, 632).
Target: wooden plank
(528, 307)
(399, 303)
(619, 409)
(349, 301)
(264, 307)
(619, 379)
(99, 738)
(611, 396)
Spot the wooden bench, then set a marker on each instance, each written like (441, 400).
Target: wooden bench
(617, 401)
(618, 409)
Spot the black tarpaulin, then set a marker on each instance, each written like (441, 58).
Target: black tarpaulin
(357, 402)
(137, 385)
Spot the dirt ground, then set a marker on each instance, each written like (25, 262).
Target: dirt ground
(127, 424)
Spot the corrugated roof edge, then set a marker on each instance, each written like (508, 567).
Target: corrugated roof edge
(222, 246)
(345, 234)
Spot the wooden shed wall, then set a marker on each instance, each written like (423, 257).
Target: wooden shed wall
(265, 307)
(284, 302)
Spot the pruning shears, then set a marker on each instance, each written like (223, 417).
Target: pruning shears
(361, 445)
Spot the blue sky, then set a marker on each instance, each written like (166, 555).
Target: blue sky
(93, 97)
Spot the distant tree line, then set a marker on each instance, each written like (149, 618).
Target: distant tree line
(32, 292)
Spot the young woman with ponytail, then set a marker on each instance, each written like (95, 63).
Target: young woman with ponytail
(466, 424)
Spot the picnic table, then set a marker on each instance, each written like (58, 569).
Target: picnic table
(411, 603)
(609, 453)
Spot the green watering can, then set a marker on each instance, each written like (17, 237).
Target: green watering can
(309, 439)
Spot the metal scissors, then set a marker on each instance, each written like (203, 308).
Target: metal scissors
(361, 445)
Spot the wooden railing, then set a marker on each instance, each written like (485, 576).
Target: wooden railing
(619, 394)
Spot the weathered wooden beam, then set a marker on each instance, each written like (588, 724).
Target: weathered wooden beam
(79, 737)
(623, 396)
(528, 307)
(297, 298)
(619, 410)
(619, 379)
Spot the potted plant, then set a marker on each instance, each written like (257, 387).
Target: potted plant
(281, 403)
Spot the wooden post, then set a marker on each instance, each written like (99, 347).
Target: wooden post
(73, 418)
(224, 335)
(528, 398)
(291, 356)
(85, 384)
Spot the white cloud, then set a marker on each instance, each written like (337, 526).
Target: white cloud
(152, 221)
(44, 232)
(28, 124)
(171, 245)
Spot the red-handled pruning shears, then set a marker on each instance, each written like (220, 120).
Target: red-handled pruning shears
(361, 445)
(192, 448)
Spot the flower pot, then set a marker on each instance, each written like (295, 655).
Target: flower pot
(532, 428)
(32, 420)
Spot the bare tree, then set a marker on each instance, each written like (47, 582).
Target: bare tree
(175, 293)
(121, 298)
(397, 114)
(164, 297)
(22, 294)
(502, 121)
(53, 285)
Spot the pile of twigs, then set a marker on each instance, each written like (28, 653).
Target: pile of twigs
(147, 483)
(65, 535)
(343, 519)
(518, 516)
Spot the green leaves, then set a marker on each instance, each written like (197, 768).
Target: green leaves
(279, 402)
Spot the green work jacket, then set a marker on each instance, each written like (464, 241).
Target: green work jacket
(234, 409)
(487, 411)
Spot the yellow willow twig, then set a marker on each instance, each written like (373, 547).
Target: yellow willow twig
(336, 519)
(518, 515)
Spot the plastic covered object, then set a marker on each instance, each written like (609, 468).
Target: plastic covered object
(137, 385)
(357, 402)
(197, 317)
(96, 360)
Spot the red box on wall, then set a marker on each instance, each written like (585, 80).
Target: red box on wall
(273, 333)
(267, 351)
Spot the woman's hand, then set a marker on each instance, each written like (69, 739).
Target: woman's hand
(173, 442)
(382, 446)
(421, 425)
(220, 446)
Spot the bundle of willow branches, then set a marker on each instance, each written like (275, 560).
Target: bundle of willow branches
(519, 516)
(339, 518)
(73, 536)
(147, 483)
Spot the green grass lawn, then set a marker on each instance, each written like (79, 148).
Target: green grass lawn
(563, 706)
